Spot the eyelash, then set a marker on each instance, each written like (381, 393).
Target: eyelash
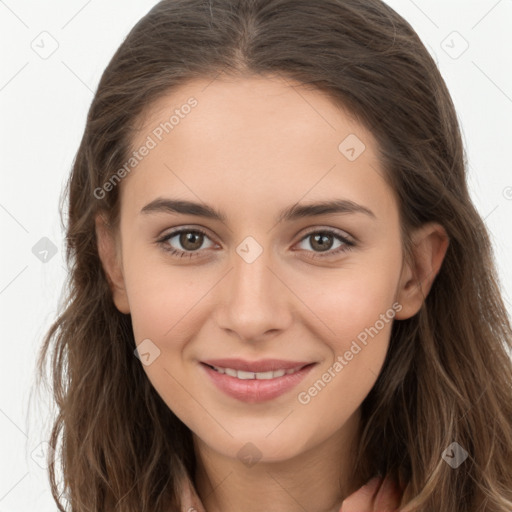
(347, 244)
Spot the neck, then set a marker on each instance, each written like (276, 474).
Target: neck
(318, 479)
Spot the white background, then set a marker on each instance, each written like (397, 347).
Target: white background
(43, 105)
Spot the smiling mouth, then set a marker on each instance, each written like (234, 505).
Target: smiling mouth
(244, 375)
(256, 381)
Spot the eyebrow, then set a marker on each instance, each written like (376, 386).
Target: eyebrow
(294, 212)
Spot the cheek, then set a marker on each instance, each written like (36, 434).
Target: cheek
(350, 300)
(356, 313)
(160, 297)
(360, 307)
(360, 322)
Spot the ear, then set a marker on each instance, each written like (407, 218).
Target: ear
(429, 245)
(110, 256)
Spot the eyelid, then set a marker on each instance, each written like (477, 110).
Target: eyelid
(348, 241)
(180, 229)
(347, 244)
(342, 233)
(166, 233)
(334, 231)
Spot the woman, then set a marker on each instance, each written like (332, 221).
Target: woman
(281, 295)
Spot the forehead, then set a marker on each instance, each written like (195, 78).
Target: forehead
(248, 138)
(254, 104)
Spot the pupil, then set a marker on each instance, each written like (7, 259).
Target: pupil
(317, 240)
(191, 238)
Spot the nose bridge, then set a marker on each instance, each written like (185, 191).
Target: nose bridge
(254, 298)
(251, 279)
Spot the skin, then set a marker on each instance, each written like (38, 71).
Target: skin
(251, 147)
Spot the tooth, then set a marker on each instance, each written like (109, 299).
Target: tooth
(244, 375)
(264, 375)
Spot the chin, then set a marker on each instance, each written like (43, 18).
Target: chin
(257, 446)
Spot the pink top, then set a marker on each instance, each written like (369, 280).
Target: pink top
(378, 495)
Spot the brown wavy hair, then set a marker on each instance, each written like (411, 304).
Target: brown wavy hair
(447, 376)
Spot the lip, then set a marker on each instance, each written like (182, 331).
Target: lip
(264, 365)
(255, 390)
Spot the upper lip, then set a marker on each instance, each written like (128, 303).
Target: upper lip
(264, 365)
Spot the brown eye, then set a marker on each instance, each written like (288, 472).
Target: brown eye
(185, 242)
(323, 241)
(191, 240)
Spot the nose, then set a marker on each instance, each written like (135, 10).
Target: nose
(255, 301)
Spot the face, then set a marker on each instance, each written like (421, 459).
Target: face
(252, 272)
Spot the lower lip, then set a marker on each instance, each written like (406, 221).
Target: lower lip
(255, 390)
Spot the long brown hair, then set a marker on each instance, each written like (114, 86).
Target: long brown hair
(447, 376)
